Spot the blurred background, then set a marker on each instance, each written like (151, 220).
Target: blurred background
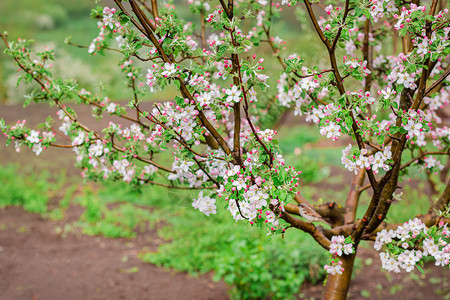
(130, 237)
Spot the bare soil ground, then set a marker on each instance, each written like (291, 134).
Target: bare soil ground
(38, 262)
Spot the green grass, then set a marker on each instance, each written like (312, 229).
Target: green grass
(312, 162)
(291, 137)
(198, 244)
(27, 189)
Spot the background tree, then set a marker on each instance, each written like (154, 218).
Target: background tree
(388, 106)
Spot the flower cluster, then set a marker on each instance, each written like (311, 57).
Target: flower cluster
(331, 130)
(410, 243)
(356, 160)
(406, 18)
(34, 139)
(414, 124)
(205, 204)
(354, 64)
(431, 162)
(298, 92)
(379, 8)
(107, 21)
(250, 197)
(339, 246)
(335, 267)
(400, 76)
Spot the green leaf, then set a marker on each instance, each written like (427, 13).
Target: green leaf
(198, 70)
(348, 121)
(27, 102)
(179, 101)
(282, 196)
(19, 80)
(277, 181)
(420, 269)
(367, 14)
(222, 51)
(342, 100)
(380, 139)
(394, 129)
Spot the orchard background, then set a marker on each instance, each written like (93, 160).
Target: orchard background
(119, 210)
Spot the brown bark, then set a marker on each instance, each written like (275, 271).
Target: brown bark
(145, 26)
(353, 197)
(337, 285)
(317, 232)
(384, 202)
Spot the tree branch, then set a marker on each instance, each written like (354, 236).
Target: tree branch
(319, 31)
(344, 17)
(354, 193)
(155, 8)
(315, 231)
(423, 155)
(143, 16)
(183, 89)
(437, 82)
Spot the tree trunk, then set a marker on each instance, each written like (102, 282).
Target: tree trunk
(337, 285)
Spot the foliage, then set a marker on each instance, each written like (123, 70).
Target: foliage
(112, 211)
(384, 105)
(293, 143)
(31, 191)
(224, 248)
(248, 268)
(123, 219)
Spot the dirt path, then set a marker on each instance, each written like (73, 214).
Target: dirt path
(38, 263)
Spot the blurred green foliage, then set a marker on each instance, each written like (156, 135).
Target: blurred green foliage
(27, 189)
(26, 18)
(275, 269)
(29, 192)
(295, 144)
(49, 23)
